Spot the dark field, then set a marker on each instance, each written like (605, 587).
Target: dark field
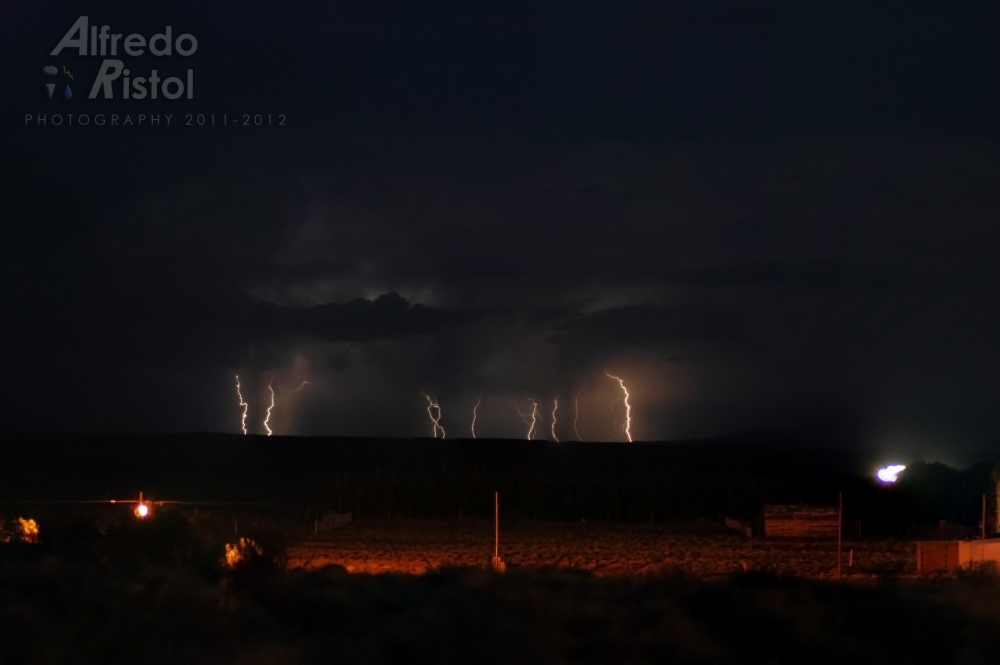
(57, 611)
(156, 591)
(615, 554)
(700, 549)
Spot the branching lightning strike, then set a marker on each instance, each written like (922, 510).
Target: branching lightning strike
(268, 416)
(304, 383)
(475, 409)
(628, 408)
(433, 405)
(555, 407)
(533, 415)
(242, 403)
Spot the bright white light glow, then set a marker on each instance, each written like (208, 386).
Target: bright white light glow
(890, 474)
(142, 510)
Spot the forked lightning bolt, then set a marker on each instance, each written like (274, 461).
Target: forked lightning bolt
(268, 416)
(242, 403)
(628, 409)
(475, 409)
(433, 406)
(555, 407)
(533, 415)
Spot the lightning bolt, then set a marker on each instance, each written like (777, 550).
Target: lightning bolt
(300, 387)
(268, 416)
(242, 403)
(67, 73)
(474, 410)
(555, 407)
(432, 405)
(628, 409)
(576, 416)
(533, 415)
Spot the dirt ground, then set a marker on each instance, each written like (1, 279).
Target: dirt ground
(705, 550)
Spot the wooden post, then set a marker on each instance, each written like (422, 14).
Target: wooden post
(497, 564)
(840, 528)
(982, 522)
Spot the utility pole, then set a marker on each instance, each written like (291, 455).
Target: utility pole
(840, 528)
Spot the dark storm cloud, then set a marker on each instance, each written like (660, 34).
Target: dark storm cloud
(829, 275)
(798, 278)
(711, 15)
(388, 316)
(773, 209)
(639, 325)
(826, 275)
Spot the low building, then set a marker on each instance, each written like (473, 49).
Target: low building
(801, 521)
(948, 556)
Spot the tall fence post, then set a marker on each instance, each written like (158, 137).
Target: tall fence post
(497, 564)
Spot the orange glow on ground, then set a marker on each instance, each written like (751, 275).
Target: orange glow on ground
(420, 546)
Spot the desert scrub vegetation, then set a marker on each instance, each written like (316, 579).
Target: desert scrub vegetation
(133, 603)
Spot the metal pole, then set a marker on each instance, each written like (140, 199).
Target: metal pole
(496, 526)
(840, 528)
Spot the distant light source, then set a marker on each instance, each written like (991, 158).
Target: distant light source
(240, 551)
(890, 474)
(27, 530)
(142, 510)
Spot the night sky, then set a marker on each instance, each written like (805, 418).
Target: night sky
(760, 215)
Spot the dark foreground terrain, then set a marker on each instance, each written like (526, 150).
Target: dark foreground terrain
(615, 555)
(162, 590)
(58, 611)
